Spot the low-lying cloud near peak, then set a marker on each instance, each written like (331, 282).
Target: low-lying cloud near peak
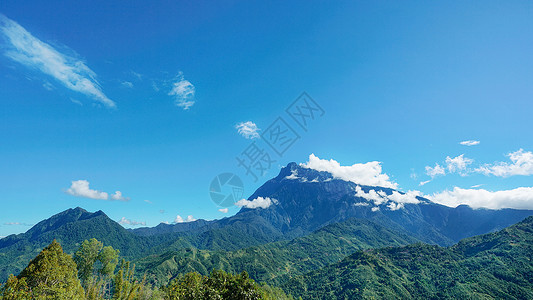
(258, 202)
(519, 198)
(369, 173)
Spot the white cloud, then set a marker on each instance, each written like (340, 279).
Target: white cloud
(469, 143)
(409, 197)
(179, 219)
(394, 201)
(183, 92)
(424, 182)
(72, 72)
(118, 196)
(223, 210)
(148, 201)
(458, 164)
(375, 208)
(521, 164)
(258, 202)
(519, 198)
(366, 174)
(248, 130)
(293, 176)
(125, 221)
(435, 171)
(372, 195)
(80, 188)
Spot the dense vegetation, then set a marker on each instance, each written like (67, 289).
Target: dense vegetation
(91, 275)
(273, 262)
(491, 266)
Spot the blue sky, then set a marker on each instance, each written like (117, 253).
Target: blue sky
(146, 99)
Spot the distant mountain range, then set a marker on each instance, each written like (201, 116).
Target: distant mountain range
(314, 220)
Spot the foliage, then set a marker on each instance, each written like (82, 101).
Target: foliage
(220, 285)
(15, 289)
(492, 266)
(53, 275)
(273, 262)
(125, 285)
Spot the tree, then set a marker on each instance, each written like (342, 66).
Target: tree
(125, 285)
(86, 257)
(220, 285)
(96, 264)
(15, 289)
(108, 257)
(53, 275)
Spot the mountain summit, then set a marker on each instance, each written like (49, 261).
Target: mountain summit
(305, 199)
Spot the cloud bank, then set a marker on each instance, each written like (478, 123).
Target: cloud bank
(519, 198)
(72, 72)
(369, 173)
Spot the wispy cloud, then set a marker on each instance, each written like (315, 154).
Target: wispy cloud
(24, 48)
(248, 130)
(76, 102)
(223, 210)
(470, 143)
(183, 92)
(17, 224)
(80, 188)
(521, 164)
(435, 171)
(125, 221)
(458, 164)
(127, 84)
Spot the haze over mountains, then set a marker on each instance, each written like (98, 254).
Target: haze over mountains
(312, 219)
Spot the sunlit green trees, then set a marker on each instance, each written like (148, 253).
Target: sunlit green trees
(52, 275)
(220, 285)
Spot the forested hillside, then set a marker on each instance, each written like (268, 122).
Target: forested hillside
(491, 266)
